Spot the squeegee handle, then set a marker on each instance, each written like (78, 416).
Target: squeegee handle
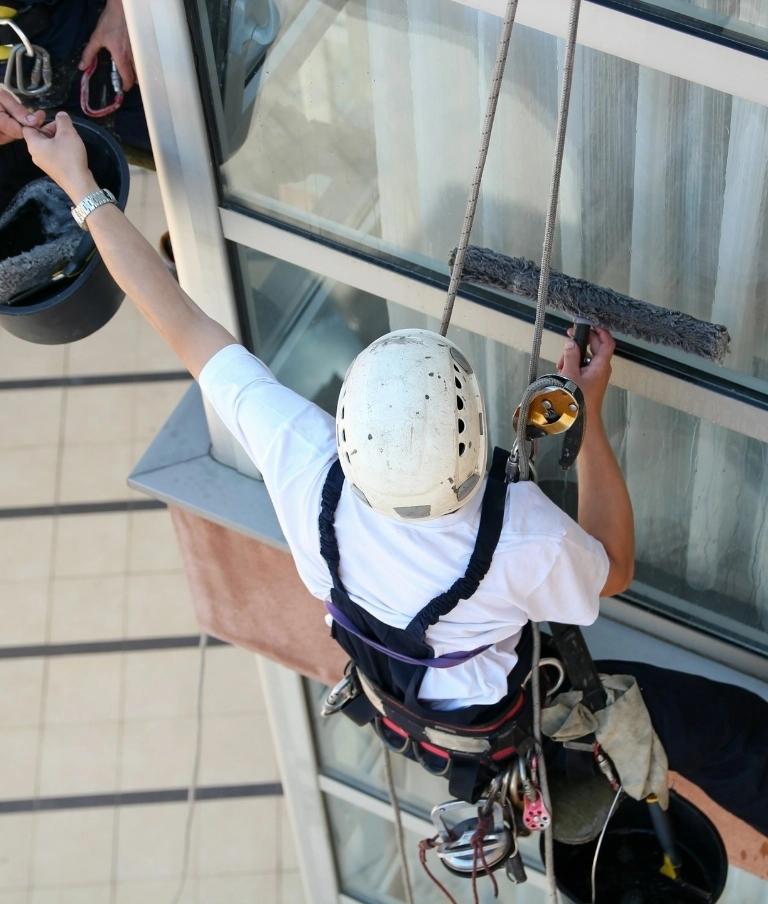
(581, 330)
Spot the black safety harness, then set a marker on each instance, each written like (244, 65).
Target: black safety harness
(388, 664)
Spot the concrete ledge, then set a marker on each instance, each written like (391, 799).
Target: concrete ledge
(178, 469)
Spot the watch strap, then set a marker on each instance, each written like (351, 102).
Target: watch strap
(90, 203)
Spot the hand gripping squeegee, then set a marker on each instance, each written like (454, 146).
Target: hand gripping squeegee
(586, 302)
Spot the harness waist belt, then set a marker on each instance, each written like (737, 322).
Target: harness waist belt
(446, 661)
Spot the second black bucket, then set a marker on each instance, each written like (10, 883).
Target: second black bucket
(630, 859)
(70, 310)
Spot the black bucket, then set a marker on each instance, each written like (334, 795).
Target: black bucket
(66, 312)
(630, 859)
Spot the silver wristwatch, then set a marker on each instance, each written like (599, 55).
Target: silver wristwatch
(90, 203)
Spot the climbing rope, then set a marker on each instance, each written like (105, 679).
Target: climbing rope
(399, 833)
(523, 462)
(192, 790)
(482, 154)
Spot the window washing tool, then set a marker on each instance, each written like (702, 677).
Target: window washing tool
(590, 304)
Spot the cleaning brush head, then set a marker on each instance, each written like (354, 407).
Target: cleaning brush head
(612, 310)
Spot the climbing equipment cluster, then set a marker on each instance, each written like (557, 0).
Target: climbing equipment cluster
(29, 72)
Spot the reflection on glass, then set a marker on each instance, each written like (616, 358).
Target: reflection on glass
(700, 492)
(369, 866)
(365, 125)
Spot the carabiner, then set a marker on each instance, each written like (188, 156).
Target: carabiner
(41, 78)
(85, 91)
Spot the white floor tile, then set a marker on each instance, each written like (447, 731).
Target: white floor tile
(94, 472)
(79, 759)
(159, 604)
(73, 847)
(153, 405)
(87, 608)
(91, 544)
(27, 475)
(24, 360)
(259, 888)
(30, 417)
(15, 850)
(156, 891)
(232, 683)
(23, 611)
(157, 753)
(18, 759)
(153, 543)
(83, 688)
(160, 684)
(72, 894)
(150, 842)
(237, 749)
(22, 683)
(237, 836)
(25, 548)
(99, 414)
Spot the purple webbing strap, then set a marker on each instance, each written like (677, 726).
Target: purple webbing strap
(446, 661)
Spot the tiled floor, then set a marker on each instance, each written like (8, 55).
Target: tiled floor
(99, 723)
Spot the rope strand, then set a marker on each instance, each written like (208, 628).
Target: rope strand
(485, 140)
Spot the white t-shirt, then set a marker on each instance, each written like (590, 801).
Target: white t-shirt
(545, 566)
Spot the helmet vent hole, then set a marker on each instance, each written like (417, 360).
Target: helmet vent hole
(462, 449)
(347, 455)
(343, 436)
(462, 425)
(458, 382)
(342, 412)
(459, 402)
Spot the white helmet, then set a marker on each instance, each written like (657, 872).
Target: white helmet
(410, 426)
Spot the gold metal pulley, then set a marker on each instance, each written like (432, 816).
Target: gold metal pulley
(554, 409)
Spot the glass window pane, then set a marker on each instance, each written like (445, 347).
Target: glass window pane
(369, 866)
(353, 135)
(700, 492)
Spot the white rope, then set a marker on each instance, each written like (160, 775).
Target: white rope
(399, 833)
(549, 845)
(192, 791)
(482, 154)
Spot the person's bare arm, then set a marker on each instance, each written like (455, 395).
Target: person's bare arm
(131, 260)
(605, 510)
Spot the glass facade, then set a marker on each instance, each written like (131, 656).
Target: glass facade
(664, 183)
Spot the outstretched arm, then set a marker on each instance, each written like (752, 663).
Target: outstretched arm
(605, 510)
(131, 260)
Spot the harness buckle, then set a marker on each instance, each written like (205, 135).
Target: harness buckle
(341, 695)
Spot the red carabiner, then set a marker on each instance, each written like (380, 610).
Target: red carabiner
(85, 89)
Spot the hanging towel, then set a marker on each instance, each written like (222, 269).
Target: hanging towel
(624, 731)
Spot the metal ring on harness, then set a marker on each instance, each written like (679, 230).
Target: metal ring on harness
(418, 753)
(378, 727)
(557, 665)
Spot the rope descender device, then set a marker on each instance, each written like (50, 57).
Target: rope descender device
(106, 106)
(40, 78)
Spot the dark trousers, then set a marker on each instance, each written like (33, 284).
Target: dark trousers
(715, 735)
